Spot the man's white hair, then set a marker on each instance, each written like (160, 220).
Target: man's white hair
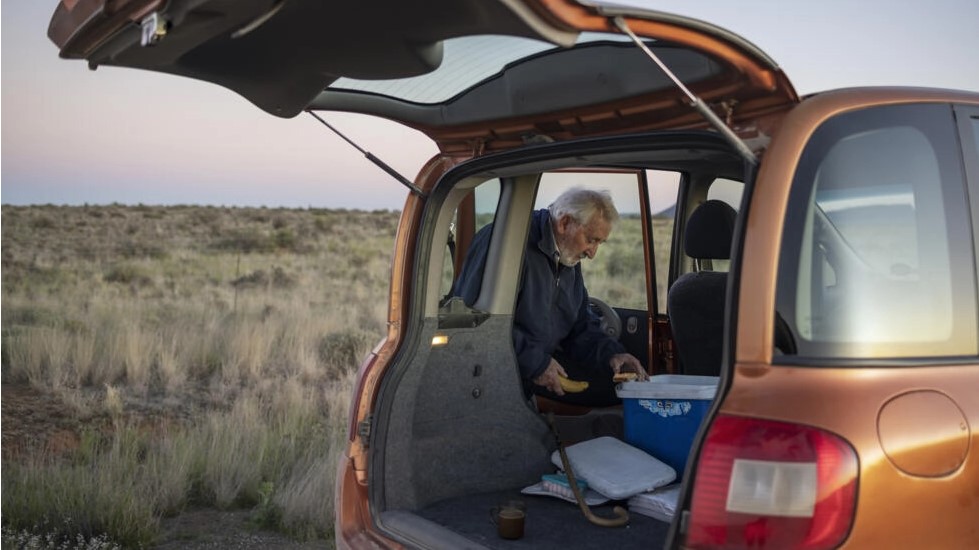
(583, 204)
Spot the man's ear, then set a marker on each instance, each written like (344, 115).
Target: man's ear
(565, 224)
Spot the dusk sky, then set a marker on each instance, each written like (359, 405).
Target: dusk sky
(75, 136)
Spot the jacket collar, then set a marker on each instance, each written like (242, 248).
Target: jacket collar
(546, 242)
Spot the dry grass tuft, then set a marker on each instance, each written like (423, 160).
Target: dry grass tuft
(205, 355)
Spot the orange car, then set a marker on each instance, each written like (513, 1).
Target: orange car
(815, 257)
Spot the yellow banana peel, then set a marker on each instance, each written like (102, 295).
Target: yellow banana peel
(572, 386)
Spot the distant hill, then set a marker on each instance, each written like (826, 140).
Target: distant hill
(666, 213)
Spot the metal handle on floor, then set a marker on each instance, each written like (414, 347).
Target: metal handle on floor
(622, 516)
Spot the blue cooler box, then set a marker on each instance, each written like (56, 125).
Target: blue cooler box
(662, 415)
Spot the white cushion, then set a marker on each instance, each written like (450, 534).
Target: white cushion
(615, 468)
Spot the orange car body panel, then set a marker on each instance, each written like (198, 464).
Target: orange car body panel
(810, 395)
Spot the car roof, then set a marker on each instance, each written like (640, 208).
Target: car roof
(469, 73)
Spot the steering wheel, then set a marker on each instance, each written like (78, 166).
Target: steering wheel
(611, 323)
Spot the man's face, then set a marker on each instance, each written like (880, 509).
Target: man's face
(577, 241)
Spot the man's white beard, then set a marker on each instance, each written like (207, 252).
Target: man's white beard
(566, 259)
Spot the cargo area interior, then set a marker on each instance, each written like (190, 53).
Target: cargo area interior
(443, 483)
(453, 434)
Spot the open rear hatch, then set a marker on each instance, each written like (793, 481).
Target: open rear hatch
(474, 75)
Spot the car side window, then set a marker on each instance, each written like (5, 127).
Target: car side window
(617, 274)
(476, 212)
(877, 258)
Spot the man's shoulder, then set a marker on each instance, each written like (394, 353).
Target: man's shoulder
(538, 224)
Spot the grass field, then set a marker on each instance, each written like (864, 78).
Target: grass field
(161, 359)
(190, 356)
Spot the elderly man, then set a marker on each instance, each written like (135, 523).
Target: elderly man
(555, 333)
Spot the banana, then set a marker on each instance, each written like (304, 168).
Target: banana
(572, 386)
(625, 377)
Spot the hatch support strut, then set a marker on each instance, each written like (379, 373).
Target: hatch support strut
(380, 163)
(695, 101)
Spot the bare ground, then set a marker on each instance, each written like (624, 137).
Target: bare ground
(208, 528)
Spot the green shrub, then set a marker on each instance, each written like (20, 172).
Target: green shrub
(346, 349)
(137, 249)
(266, 514)
(43, 222)
(128, 273)
(31, 315)
(259, 278)
(324, 223)
(285, 239)
(249, 240)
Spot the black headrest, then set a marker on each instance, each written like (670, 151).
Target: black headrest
(710, 230)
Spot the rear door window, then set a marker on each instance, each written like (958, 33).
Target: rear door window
(726, 190)
(877, 258)
(730, 192)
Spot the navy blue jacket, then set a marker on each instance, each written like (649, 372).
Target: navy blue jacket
(552, 304)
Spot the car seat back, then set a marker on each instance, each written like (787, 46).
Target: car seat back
(696, 300)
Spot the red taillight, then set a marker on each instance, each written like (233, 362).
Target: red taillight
(764, 484)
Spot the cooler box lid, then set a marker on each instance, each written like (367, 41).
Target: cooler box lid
(670, 386)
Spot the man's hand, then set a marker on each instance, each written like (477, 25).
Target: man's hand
(549, 378)
(625, 361)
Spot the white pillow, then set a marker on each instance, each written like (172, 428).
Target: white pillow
(615, 468)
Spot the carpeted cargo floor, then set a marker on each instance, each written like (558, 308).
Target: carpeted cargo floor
(551, 524)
